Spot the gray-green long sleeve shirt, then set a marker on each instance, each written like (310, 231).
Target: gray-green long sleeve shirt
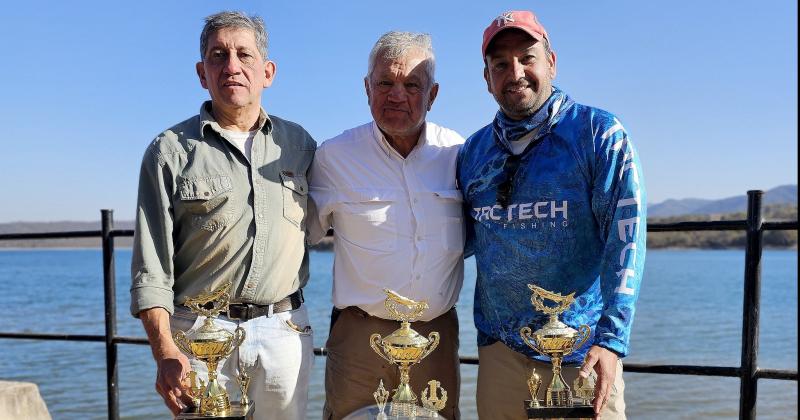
(206, 215)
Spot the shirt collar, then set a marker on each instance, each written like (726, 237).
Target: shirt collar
(207, 119)
(387, 148)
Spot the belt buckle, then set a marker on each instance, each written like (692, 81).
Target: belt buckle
(237, 311)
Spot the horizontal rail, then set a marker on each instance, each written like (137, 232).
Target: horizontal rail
(52, 235)
(683, 369)
(717, 225)
(782, 374)
(698, 226)
(778, 374)
(54, 336)
(789, 225)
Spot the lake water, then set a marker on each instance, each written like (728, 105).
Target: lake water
(689, 312)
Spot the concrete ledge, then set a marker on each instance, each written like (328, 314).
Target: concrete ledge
(21, 400)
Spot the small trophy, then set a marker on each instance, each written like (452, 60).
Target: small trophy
(405, 347)
(210, 344)
(555, 340)
(381, 396)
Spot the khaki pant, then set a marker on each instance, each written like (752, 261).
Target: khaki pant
(503, 387)
(353, 370)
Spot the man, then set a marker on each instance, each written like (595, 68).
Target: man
(388, 190)
(222, 197)
(556, 199)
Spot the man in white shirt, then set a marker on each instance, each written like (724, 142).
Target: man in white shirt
(388, 190)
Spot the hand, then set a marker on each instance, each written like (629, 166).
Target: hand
(171, 384)
(604, 362)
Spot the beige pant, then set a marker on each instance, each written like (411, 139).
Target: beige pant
(353, 369)
(502, 384)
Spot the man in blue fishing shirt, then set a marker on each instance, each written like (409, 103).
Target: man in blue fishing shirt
(556, 198)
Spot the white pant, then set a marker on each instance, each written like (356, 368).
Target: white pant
(275, 355)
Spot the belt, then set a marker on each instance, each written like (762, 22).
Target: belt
(248, 311)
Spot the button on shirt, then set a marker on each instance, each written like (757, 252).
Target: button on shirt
(206, 215)
(398, 221)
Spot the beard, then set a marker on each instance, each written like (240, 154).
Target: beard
(518, 106)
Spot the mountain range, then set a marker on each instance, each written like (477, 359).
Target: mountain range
(784, 194)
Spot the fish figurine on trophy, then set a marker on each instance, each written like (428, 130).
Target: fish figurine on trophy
(555, 340)
(210, 344)
(405, 347)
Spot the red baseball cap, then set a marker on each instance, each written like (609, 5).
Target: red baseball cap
(515, 19)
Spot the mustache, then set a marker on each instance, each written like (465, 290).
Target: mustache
(522, 82)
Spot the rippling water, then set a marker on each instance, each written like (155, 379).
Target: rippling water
(689, 313)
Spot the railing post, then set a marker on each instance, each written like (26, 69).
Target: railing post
(109, 290)
(748, 390)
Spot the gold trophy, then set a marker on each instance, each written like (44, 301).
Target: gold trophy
(555, 340)
(405, 347)
(210, 344)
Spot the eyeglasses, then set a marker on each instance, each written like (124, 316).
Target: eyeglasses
(506, 187)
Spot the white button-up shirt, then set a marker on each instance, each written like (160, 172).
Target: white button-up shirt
(397, 221)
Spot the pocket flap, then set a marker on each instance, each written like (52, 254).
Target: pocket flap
(365, 195)
(204, 188)
(296, 183)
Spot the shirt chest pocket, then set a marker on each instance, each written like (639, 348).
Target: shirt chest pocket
(207, 201)
(449, 202)
(295, 197)
(367, 219)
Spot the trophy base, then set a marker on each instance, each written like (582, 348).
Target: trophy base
(237, 412)
(576, 411)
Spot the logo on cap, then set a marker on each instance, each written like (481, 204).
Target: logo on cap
(505, 18)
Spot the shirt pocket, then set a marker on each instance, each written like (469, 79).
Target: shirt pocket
(207, 201)
(449, 203)
(295, 197)
(367, 219)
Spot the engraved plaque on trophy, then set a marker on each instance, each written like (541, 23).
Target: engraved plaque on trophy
(556, 340)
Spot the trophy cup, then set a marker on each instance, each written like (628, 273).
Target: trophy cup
(555, 340)
(405, 347)
(210, 344)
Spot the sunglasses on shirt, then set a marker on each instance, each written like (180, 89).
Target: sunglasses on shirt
(505, 189)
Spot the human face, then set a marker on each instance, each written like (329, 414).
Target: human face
(233, 70)
(519, 73)
(400, 94)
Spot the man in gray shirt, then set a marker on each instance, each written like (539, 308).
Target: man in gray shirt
(222, 197)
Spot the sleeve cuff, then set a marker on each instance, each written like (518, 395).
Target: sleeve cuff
(146, 297)
(611, 342)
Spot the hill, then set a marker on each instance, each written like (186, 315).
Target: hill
(724, 239)
(784, 194)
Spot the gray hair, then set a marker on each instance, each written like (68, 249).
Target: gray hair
(238, 20)
(394, 44)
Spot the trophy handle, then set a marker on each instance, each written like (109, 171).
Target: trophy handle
(525, 332)
(584, 331)
(236, 341)
(183, 343)
(433, 342)
(374, 342)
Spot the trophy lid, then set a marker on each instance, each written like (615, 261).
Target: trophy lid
(556, 328)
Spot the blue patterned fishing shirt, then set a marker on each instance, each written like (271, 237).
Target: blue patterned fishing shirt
(575, 222)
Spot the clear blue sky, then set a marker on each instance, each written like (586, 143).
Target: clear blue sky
(706, 89)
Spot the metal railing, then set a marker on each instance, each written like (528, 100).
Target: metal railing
(748, 372)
